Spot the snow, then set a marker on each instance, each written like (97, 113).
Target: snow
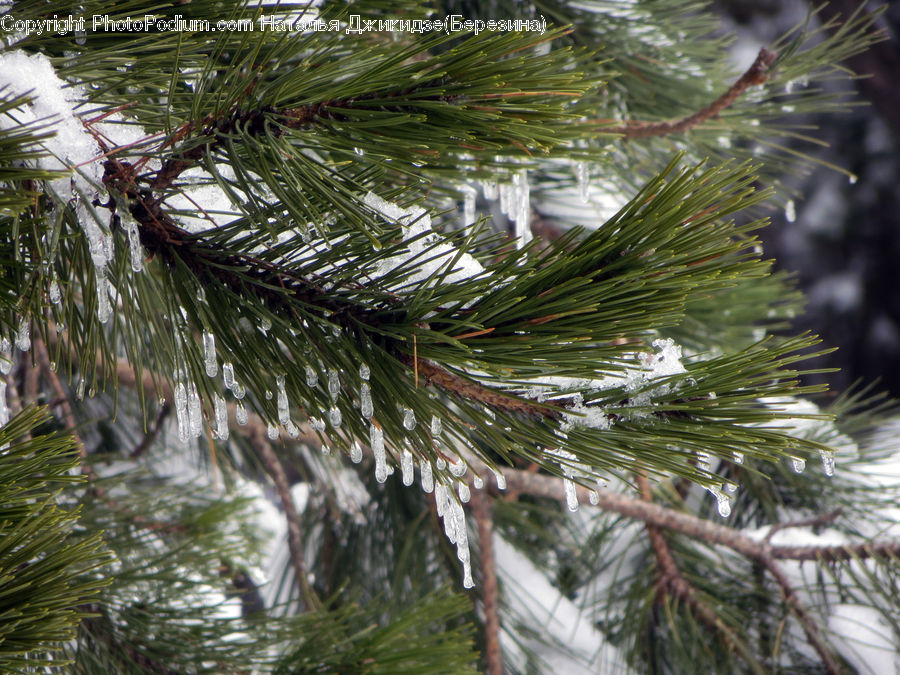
(864, 639)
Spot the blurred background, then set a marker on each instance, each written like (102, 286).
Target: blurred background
(842, 239)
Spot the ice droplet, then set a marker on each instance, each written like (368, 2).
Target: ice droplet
(265, 324)
(571, 494)
(283, 412)
(356, 453)
(501, 480)
(364, 372)
(365, 401)
(240, 414)
(271, 431)
(238, 390)
(464, 493)
(594, 497)
(134, 246)
(409, 419)
(376, 442)
(180, 410)
(440, 464)
(334, 384)
(104, 309)
(228, 374)
(312, 378)
(581, 175)
(852, 178)
(458, 468)
(292, 429)
(335, 417)
(221, 417)
(195, 412)
(209, 354)
(436, 426)
(469, 194)
(406, 467)
(55, 295)
(798, 464)
(23, 335)
(477, 482)
(827, 462)
(5, 356)
(427, 477)
(723, 502)
(790, 211)
(738, 457)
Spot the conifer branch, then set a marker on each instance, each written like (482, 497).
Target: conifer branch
(481, 506)
(756, 74)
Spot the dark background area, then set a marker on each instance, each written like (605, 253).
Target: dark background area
(844, 245)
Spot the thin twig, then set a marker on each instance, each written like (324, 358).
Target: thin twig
(295, 539)
(152, 432)
(757, 73)
(481, 505)
(814, 521)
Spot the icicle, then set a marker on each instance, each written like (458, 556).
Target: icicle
(195, 412)
(312, 378)
(55, 295)
(5, 356)
(238, 390)
(500, 478)
(240, 414)
(723, 502)
(364, 373)
(283, 413)
(376, 442)
(440, 464)
(458, 468)
(594, 497)
(827, 461)
(738, 457)
(221, 417)
(268, 395)
(356, 453)
(427, 477)
(790, 211)
(180, 409)
(293, 430)
(436, 426)
(103, 307)
(334, 384)
(406, 467)
(134, 246)
(209, 353)
(489, 189)
(316, 423)
(272, 431)
(23, 335)
(469, 194)
(522, 208)
(365, 401)
(335, 417)
(4, 409)
(79, 391)
(228, 374)
(581, 175)
(798, 464)
(730, 488)
(464, 494)
(477, 482)
(409, 419)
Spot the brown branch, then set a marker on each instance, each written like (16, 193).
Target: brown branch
(152, 432)
(481, 505)
(814, 521)
(757, 73)
(273, 465)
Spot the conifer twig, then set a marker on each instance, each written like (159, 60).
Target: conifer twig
(757, 73)
(481, 506)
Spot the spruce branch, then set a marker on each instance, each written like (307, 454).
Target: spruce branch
(756, 74)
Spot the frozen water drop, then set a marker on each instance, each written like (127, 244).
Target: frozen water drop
(240, 414)
(477, 482)
(292, 429)
(365, 401)
(23, 335)
(364, 372)
(134, 246)
(238, 390)
(55, 295)
(356, 453)
(406, 467)
(427, 476)
(334, 384)
(730, 488)
(594, 497)
(723, 505)
(228, 374)
(440, 464)
(104, 309)
(798, 464)
(458, 468)
(5, 356)
(312, 378)
(790, 211)
(738, 457)
(464, 493)
(79, 391)
(571, 494)
(221, 412)
(501, 480)
(436, 426)
(272, 431)
(335, 417)
(209, 354)
(827, 462)
(409, 419)
(469, 194)
(376, 442)
(268, 395)
(852, 178)
(282, 401)
(581, 175)
(195, 411)
(265, 324)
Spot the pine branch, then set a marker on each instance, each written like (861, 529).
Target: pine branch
(756, 74)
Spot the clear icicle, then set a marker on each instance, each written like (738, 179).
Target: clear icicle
(5, 356)
(238, 390)
(427, 477)
(594, 497)
(458, 468)
(571, 494)
(104, 309)
(500, 478)
(440, 464)
(798, 464)
(827, 462)
(477, 482)
(228, 374)
(409, 419)
(134, 246)
(312, 378)
(4, 409)
(283, 412)
(23, 335)
(195, 411)
(292, 429)
(406, 467)
(209, 354)
(356, 453)
(240, 414)
(469, 194)
(365, 401)
(180, 410)
(334, 384)
(335, 417)
(738, 457)
(272, 431)
(581, 175)
(221, 417)
(790, 211)
(376, 442)
(55, 295)
(723, 502)
(489, 189)
(364, 372)
(79, 391)
(464, 493)
(436, 426)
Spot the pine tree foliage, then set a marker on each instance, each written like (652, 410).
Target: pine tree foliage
(238, 258)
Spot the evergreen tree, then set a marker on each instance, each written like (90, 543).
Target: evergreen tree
(319, 254)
